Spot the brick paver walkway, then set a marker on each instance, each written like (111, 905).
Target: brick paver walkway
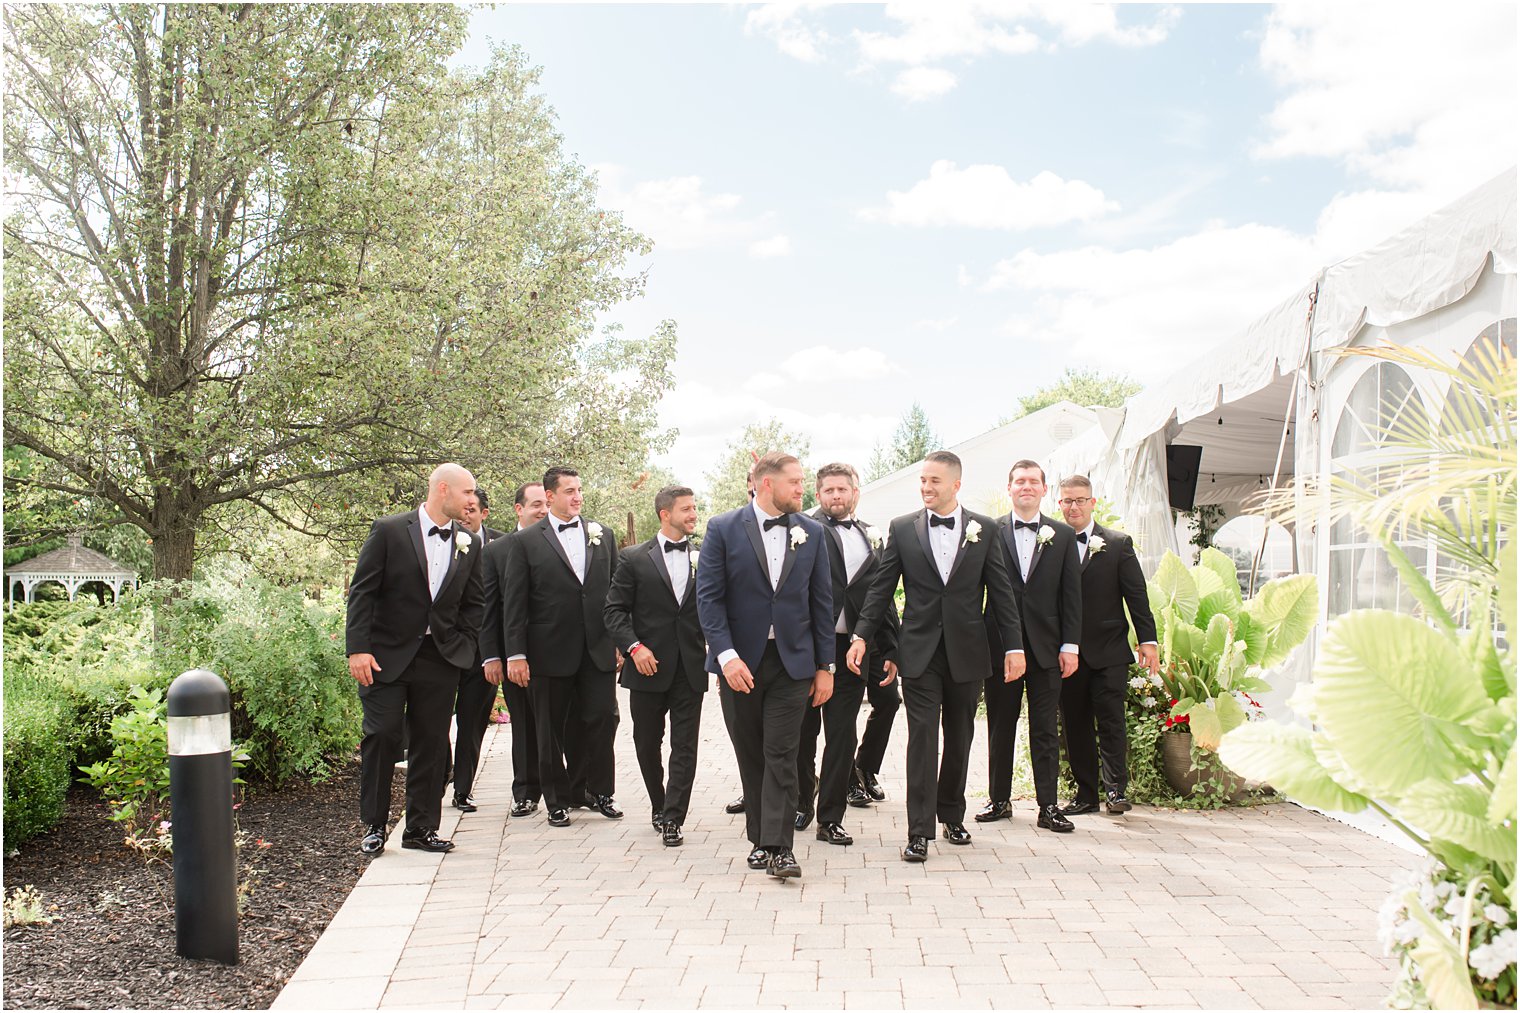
(1271, 907)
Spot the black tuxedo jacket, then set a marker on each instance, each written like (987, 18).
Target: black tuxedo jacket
(934, 608)
(1050, 601)
(642, 608)
(1112, 579)
(850, 595)
(492, 598)
(549, 616)
(390, 610)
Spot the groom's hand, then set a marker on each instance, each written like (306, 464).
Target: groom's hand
(644, 660)
(891, 671)
(363, 668)
(1013, 666)
(517, 671)
(855, 655)
(1068, 662)
(493, 672)
(823, 687)
(737, 674)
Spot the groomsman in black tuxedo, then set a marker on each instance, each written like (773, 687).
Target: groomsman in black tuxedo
(477, 695)
(558, 574)
(854, 553)
(1111, 579)
(652, 616)
(414, 611)
(947, 559)
(531, 507)
(1041, 555)
(764, 598)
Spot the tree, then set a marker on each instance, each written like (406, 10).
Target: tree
(278, 258)
(726, 487)
(1085, 387)
(913, 439)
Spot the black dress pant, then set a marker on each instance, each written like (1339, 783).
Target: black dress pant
(525, 783)
(579, 709)
(1094, 697)
(1004, 701)
(419, 700)
(933, 701)
(885, 701)
(472, 713)
(648, 709)
(837, 719)
(766, 724)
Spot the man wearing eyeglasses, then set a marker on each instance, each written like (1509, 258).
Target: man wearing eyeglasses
(1111, 579)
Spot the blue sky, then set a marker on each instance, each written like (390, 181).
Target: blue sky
(858, 206)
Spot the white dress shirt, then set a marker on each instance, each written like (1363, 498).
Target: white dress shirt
(677, 564)
(774, 541)
(946, 542)
(439, 550)
(857, 549)
(574, 541)
(1026, 541)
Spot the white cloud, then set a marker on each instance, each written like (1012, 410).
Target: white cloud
(986, 197)
(941, 325)
(678, 213)
(775, 246)
(782, 24)
(919, 83)
(826, 364)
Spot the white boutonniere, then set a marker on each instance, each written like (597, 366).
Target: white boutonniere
(1095, 544)
(594, 533)
(694, 554)
(462, 542)
(973, 532)
(798, 536)
(1045, 534)
(873, 537)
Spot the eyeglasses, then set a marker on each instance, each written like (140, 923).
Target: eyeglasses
(1074, 502)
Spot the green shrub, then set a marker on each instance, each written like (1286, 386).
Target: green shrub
(38, 751)
(135, 778)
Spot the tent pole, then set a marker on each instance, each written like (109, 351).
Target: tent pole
(1282, 441)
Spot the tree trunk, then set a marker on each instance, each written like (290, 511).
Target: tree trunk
(174, 551)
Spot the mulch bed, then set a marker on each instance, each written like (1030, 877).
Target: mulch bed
(112, 945)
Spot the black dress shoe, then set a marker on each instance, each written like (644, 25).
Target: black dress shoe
(605, 806)
(1051, 819)
(1117, 803)
(803, 819)
(559, 818)
(956, 833)
(670, 834)
(1079, 808)
(464, 805)
(425, 840)
(917, 850)
(759, 858)
(524, 807)
(657, 820)
(995, 811)
(735, 807)
(834, 834)
(783, 865)
(374, 840)
(858, 797)
(873, 787)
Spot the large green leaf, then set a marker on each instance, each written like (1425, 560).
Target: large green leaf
(1287, 608)
(1203, 722)
(1443, 971)
(1254, 636)
(1209, 582)
(1458, 813)
(1178, 590)
(1218, 637)
(1283, 755)
(1216, 603)
(1506, 588)
(1186, 639)
(1222, 565)
(1231, 716)
(1393, 696)
(1502, 806)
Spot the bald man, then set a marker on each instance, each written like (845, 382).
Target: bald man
(414, 611)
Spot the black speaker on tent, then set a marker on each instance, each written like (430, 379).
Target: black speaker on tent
(1182, 474)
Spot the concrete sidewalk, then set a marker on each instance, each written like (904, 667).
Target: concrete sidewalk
(1271, 907)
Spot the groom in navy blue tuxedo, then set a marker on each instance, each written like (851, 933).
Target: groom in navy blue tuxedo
(765, 599)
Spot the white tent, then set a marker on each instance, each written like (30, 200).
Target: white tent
(1281, 399)
(985, 460)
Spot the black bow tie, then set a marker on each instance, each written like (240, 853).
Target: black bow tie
(1082, 538)
(1031, 525)
(775, 522)
(573, 524)
(841, 524)
(941, 522)
(680, 546)
(443, 533)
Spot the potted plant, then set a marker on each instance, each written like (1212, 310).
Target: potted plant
(1214, 644)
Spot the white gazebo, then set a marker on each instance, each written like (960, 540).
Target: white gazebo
(73, 566)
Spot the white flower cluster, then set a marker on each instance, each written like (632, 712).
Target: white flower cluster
(1492, 943)
(1490, 959)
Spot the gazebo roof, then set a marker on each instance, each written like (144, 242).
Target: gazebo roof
(73, 559)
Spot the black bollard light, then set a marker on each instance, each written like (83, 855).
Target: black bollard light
(200, 796)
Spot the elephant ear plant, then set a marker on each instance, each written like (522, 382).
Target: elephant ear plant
(1214, 643)
(1414, 715)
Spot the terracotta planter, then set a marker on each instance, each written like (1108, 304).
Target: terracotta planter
(1177, 761)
